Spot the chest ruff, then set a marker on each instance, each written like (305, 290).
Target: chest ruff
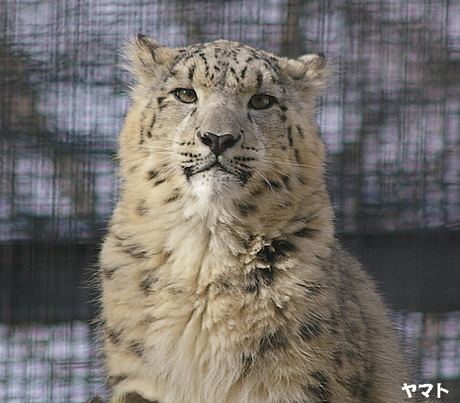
(211, 321)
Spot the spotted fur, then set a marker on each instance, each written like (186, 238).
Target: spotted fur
(221, 278)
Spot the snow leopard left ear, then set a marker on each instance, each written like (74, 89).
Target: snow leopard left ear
(147, 57)
(309, 71)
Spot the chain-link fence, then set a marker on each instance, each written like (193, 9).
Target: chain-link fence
(390, 120)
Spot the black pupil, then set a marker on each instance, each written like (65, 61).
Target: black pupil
(261, 100)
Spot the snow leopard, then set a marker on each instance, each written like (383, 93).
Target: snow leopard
(221, 277)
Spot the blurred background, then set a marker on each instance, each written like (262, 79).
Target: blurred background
(390, 120)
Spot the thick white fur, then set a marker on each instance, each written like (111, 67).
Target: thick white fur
(208, 294)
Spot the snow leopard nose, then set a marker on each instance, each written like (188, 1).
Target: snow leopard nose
(218, 143)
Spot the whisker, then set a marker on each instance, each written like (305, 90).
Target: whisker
(268, 182)
(271, 167)
(281, 162)
(135, 159)
(150, 147)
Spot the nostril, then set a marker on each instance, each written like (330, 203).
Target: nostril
(207, 139)
(227, 142)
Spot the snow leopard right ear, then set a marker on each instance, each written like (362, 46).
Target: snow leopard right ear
(146, 56)
(309, 71)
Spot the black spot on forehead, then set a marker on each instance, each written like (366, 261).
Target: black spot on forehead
(259, 80)
(191, 72)
(243, 72)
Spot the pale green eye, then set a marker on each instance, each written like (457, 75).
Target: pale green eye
(261, 101)
(185, 95)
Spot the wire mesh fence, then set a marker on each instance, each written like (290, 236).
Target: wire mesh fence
(49, 363)
(390, 120)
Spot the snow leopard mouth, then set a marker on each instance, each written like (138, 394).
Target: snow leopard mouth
(219, 171)
(216, 166)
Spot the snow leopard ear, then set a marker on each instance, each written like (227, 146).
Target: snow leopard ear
(146, 56)
(309, 71)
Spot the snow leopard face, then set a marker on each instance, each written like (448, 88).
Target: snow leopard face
(227, 117)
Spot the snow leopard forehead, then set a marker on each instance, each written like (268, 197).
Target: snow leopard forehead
(224, 63)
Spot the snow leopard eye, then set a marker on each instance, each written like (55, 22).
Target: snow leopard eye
(185, 95)
(261, 101)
